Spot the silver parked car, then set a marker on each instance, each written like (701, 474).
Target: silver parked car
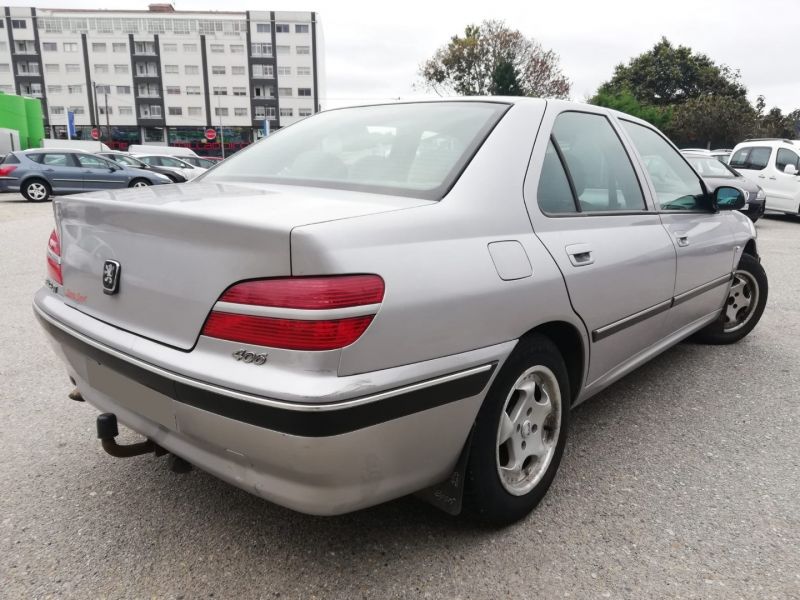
(39, 173)
(393, 299)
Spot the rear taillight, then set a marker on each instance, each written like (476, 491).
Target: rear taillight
(297, 313)
(6, 171)
(54, 258)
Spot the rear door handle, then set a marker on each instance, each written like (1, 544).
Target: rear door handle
(762, 176)
(773, 178)
(580, 255)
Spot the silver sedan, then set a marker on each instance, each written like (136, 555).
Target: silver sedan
(393, 299)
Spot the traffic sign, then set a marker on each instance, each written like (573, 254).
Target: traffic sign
(211, 134)
(95, 133)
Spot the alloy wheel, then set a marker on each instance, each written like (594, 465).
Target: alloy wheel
(741, 303)
(37, 191)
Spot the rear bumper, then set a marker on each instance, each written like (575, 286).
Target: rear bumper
(320, 458)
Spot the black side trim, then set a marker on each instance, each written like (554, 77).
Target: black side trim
(307, 424)
(681, 298)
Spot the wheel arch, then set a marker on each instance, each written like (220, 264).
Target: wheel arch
(570, 343)
(751, 248)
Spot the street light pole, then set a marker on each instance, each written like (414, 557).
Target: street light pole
(221, 132)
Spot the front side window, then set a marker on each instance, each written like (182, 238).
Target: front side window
(751, 158)
(786, 157)
(677, 186)
(415, 149)
(596, 164)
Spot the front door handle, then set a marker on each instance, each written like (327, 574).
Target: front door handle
(773, 178)
(580, 255)
(683, 239)
(762, 176)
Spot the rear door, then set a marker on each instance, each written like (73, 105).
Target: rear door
(584, 197)
(61, 170)
(703, 239)
(100, 174)
(787, 187)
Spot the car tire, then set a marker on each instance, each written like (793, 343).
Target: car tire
(513, 421)
(743, 307)
(36, 190)
(139, 183)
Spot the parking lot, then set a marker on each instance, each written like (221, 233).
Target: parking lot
(680, 481)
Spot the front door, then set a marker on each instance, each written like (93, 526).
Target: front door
(617, 259)
(703, 238)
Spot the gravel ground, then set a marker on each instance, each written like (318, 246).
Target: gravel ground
(680, 481)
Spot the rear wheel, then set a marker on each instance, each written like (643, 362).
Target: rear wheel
(139, 183)
(744, 306)
(36, 190)
(519, 434)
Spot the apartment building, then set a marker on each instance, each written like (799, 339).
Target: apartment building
(164, 76)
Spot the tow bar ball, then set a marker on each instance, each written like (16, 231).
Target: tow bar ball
(107, 430)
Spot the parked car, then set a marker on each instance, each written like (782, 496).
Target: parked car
(200, 161)
(716, 173)
(774, 164)
(331, 319)
(171, 163)
(124, 158)
(179, 151)
(37, 174)
(722, 154)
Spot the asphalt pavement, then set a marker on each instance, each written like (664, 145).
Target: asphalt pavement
(680, 481)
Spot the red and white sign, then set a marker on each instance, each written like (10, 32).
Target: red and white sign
(95, 133)
(211, 134)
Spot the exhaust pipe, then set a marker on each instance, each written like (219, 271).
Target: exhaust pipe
(107, 430)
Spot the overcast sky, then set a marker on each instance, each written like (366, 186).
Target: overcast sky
(374, 48)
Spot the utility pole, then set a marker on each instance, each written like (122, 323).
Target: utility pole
(108, 124)
(221, 132)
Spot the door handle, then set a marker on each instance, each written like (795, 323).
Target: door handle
(773, 178)
(683, 239)
(762, 176)
(580, 255)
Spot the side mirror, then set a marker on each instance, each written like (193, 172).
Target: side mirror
(729, 198)
(790, 169)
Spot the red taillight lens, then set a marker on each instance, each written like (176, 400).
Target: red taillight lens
(54, 258)
(6, 171)
(320, 313)
(308, 292)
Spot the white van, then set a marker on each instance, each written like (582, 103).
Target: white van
(160, 150)
(85, 145)
(774, 164)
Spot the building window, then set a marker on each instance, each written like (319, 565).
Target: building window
(31, 89)
(170, 47)
(281, 28)
(191, 70)
(217, 48)
(262, 71)
(72, 68)
(287, 112)
(101, 109)
(195, 111)
(284, 91)
(284, 70)
(28, 68)
(125, 110)
(78, 110)
(303, 49)
(192, 90)
(239, 91)
(182, 26)
(171, 69)
(50, 47)
(217, 70)
(123, 90)
(70, 47)
(262, 28)
(119, 47)
(284, 49)
(146, 70)
(101, 68)
(150, 111)
(175, 111)
(47, 68)
(221, 111)
(260, 113)
(304, 112)
(102, 89)
(304, 71)
(18, 24)
(120, 69)
(220, 91)
(56, 110)
(303, 91)
(24, 47)
(239, 112)
(301, 28)
(54, 89)
(98, 47)
(190, 47)
(237, 70)
(263, 91)
(237, 49)
(144, 48)
(147, 90)
(5, 68)
(261, 49)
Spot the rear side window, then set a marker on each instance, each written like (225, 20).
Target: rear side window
(554, 194)
(10, 159)
(596, 165)
(786, 157)
(677, 185)
(753, 158)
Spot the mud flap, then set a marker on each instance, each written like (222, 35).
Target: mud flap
(449, 494)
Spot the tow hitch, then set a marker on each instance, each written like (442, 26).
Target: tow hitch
(107, 430)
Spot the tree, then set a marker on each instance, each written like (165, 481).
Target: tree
(712, 121)
(667, 75)
(625, 102)
(478, 63)
(774, 123)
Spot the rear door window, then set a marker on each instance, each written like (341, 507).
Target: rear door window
(554, 193)
(751, 158)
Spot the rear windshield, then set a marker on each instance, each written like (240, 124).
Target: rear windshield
(8, 159)
(413, 150)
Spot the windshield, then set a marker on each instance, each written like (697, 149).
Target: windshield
(415, 149)
(127, 160)
(711, 167)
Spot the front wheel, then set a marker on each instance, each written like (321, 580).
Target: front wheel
(744, 306)
(519, 434)
(139, 183)
(36, 190)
